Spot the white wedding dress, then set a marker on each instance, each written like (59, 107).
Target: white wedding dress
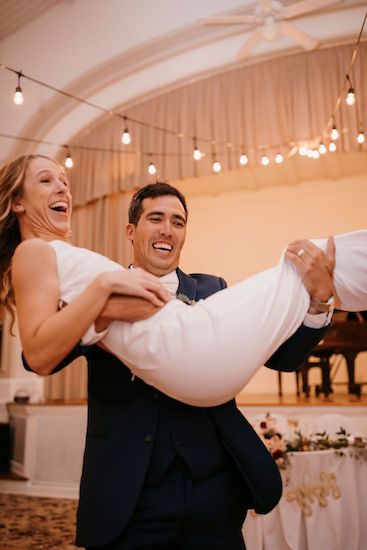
(206, 353)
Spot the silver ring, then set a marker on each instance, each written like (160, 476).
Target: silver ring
(300, 252)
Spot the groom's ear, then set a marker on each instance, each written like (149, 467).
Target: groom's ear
(130, 232)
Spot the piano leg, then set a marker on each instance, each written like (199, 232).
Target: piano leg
(325, 387)
(305, 384)
(353, 388)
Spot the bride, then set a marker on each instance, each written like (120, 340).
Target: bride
(164, 349)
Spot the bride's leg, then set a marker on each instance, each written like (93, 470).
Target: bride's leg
(205, 354)
(350, 274)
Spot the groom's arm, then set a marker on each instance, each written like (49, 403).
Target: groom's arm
(296, 349)
(316, 270)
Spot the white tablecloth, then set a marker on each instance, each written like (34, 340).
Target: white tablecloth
(323, 507)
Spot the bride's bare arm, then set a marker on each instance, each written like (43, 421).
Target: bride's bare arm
(49, 334)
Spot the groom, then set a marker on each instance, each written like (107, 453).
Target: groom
(158, 473)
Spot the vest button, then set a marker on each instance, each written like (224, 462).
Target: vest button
(178, 443)
(148, 437)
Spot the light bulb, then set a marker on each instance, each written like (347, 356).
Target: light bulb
(197, 154)
(322, 149)
(18, 96)
(350, 97)
(315, 154)
(243, 159)
(152, 169)
(309, 153)
(217, 167)
(361, 137)
(334, 134)
(126, 138)
(279, 158)
(302, 151)
(265, 160)
(69, 163)
(332, 147)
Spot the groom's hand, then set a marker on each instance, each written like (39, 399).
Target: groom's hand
(315, 269)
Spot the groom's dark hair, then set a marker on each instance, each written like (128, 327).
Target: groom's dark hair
(152, 190)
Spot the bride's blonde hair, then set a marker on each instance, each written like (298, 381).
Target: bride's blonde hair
(12, 176)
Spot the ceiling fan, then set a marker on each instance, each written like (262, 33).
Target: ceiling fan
(270, 21)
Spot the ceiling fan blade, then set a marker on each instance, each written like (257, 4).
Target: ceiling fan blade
(305, 6)
(298, 36)
(254, 38)
(231, 20)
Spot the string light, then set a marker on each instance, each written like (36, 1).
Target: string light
(126, 138)
(279, 158)
(265, 160)
(315, 154)
(69, 163)
(322, 148)
(243, 159)
(350, 98)
(152, 169)
(302, 151)
(334, 134)
(309, 153)
(361, 137)
(217, 167)
(196, 153)
(332, 147)
(18, 95)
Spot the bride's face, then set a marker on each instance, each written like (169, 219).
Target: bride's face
(44, 206)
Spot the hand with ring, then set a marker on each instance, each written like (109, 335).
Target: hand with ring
(314, 267)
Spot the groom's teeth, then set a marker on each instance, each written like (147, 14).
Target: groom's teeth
(162, 246)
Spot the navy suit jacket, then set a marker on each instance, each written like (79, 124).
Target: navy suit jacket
(122, 425)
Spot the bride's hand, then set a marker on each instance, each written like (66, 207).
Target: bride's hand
(136, 282)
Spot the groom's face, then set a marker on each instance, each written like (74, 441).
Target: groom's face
(159, 235)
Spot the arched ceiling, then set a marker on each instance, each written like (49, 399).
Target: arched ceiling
(115, 52)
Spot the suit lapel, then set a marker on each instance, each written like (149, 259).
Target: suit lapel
(187, 285)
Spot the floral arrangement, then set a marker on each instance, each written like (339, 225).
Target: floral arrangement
(280, 448)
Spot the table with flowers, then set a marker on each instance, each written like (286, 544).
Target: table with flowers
(324, 498)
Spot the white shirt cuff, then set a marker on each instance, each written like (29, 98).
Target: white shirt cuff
(319, 320)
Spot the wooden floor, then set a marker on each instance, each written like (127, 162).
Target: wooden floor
(336, 399)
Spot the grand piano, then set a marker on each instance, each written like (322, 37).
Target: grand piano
(347, 336)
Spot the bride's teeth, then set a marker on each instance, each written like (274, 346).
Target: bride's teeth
(59, 205)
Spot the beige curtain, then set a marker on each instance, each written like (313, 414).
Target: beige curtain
(258, 108)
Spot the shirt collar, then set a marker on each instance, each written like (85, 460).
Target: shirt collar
(169, 281)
